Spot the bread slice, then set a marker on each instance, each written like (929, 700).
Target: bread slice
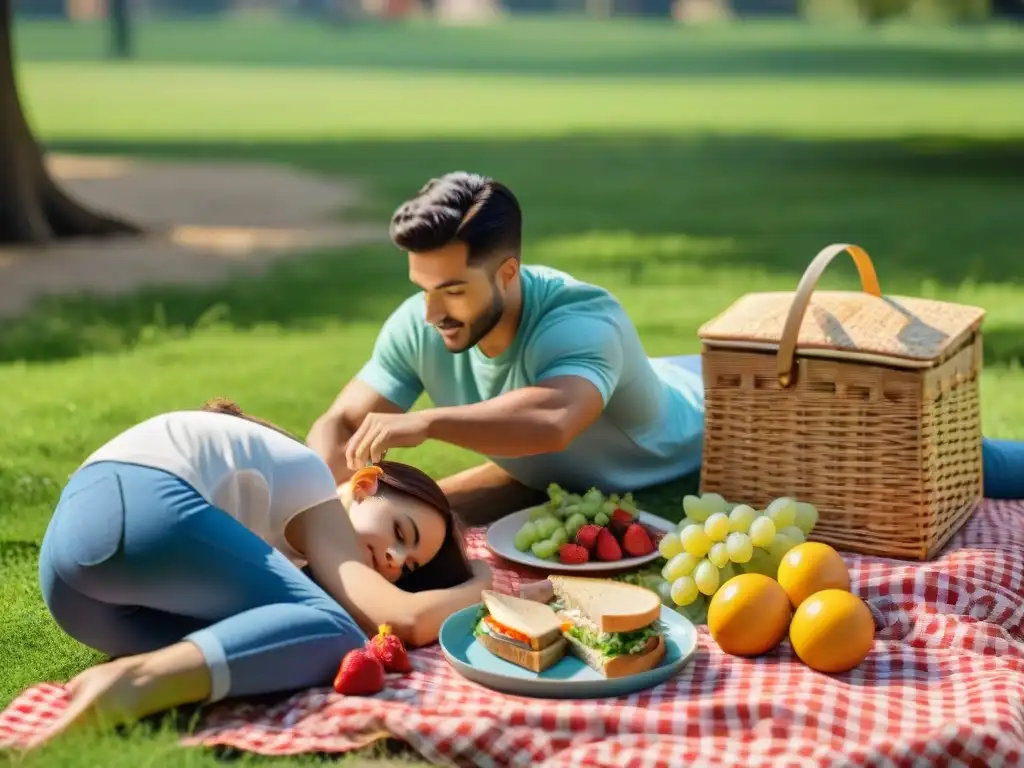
(536, 620)
(535, 661)
(621, 666)
(612, 606)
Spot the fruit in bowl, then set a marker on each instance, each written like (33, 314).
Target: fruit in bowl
(574, 529)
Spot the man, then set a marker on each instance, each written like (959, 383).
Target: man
(543, 374)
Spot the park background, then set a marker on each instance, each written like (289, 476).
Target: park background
(678, 153)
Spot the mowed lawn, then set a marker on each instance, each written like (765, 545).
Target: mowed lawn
(678, 168)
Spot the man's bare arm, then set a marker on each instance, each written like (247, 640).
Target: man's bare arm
(483, 494)
(330, 434)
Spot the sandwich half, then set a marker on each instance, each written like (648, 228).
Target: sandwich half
(522, 632)
(610, 625)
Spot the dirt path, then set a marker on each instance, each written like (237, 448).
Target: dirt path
(208, 220)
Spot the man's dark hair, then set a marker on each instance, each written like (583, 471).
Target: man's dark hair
(464, 207)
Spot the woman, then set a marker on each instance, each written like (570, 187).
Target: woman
(177, 549)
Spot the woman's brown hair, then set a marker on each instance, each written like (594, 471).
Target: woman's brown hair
(450, 566)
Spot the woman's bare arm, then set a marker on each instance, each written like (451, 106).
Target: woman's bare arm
(330, 545)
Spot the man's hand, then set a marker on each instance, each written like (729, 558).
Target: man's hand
(540, 591)
(380, 432)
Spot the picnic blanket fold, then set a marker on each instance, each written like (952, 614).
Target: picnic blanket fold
(944, 685)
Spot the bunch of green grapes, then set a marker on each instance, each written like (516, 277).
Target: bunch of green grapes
(716, 540)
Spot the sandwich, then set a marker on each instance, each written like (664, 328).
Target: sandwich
(523, 632)
(612, 626)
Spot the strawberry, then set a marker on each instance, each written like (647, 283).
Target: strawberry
(607, 548)
(620, 521)
(389, 650)
(636, 541)
(622, 516)
(586, 536)
(360, 674)
(573, 554)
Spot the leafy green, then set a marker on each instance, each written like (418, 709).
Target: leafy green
(616, 643)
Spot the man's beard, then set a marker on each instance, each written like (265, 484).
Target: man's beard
(483, 324)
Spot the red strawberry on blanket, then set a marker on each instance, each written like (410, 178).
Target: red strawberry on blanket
(587, 535)
(389, 650)
(607, 548)
(360, 674)
(636, 541)
(573, 554)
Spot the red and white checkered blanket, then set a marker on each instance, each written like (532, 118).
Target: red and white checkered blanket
(944, 685)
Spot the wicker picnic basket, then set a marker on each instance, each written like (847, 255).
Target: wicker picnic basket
(863, 405)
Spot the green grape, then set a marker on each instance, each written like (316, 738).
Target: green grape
(560, 536)
(782, 512)
(683, 590)
(538, 512)
(780, 545)
(572, 509)
(544, 548)
(591, 508)
(629, 504)
(664, 590)
(574, 522)
(546, 526)
(670, 545)
(725, 573)
(730, 506)
(525, 537)
(762, 531)
(806, 517)
(556, 492)
(695, 509)
(706, 577)
(713, 503)
(594, 496)
(695, 540)
(739, 547)
(719, 555)
(793, 533)
(762, 562)
(740, 518)
(608, 507)
(685, 522)
(717, 526)
(601, 519)
(680, 565)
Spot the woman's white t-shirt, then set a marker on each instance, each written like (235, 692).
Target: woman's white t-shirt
(257, 475)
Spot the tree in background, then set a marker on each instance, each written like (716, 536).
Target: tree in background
(120, 29)
(33, 207)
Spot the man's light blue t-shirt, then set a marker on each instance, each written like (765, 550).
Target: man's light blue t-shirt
(650, 430)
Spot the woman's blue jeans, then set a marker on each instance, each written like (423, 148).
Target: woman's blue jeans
(134, 560)
(1002, 460)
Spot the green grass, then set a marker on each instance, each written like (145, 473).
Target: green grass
(680, 168)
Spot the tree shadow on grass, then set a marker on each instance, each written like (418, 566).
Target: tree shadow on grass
(623, 210)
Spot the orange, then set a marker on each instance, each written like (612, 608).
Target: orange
(832, 631)
(749, 615)
(811, 567)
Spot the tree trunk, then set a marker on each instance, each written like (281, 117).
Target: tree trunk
(120, 29)
(33, 208)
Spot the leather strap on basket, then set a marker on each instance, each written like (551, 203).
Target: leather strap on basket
(795, 318)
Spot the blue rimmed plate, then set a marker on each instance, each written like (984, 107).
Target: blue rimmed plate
(570, 677)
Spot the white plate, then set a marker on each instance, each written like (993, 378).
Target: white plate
(501, 535)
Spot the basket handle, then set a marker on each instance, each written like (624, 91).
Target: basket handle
(795, 318)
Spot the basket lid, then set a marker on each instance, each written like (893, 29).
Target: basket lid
(900, 331)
